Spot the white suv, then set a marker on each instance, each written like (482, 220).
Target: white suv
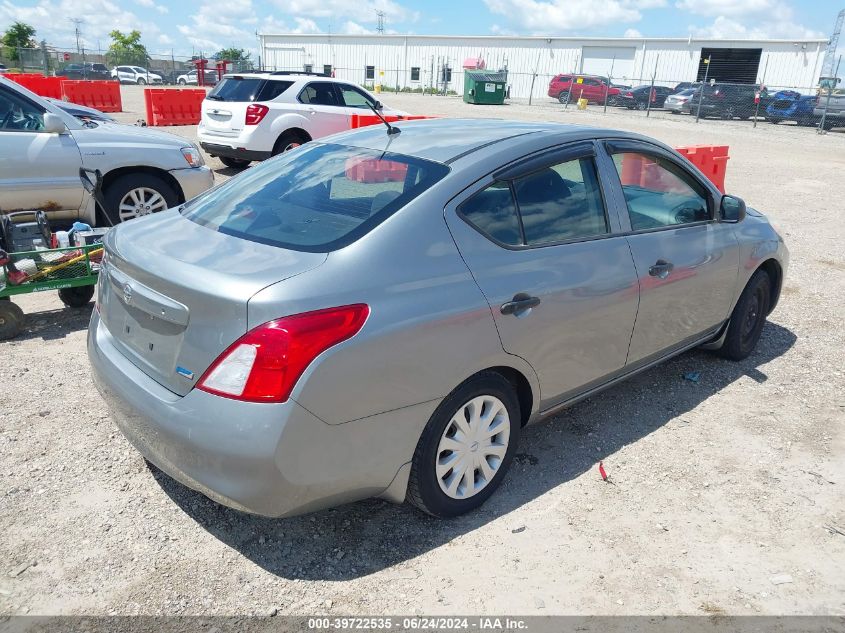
(135, 75)
(253, 116)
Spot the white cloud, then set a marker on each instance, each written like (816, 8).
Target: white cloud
(632, 33)
(728, 7)
(360, 12)
(546, 16)
(730, 29)
(305, 25)
(353, 28)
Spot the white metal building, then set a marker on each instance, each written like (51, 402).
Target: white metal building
(421, 61)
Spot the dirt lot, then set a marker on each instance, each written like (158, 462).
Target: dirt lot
(727, 494)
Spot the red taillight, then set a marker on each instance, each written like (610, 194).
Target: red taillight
(265, 363)
(255, 112)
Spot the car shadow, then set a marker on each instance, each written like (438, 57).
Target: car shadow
(51, 325)
(365, 537)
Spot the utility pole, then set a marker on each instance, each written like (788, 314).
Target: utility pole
(380, 27)
(703, 84)
(76, 23)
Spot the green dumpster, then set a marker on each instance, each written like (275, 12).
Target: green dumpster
(484, 87)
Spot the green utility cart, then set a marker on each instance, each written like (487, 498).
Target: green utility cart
(482, 87)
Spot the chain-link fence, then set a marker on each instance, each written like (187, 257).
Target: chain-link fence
(97, 65)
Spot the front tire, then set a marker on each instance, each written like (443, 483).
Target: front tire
(77, 297)
(182, 82)
(135, 195)
(748, 317)
(563, 97)
(466, 447)
(142, 81)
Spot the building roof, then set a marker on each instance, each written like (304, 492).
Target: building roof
(544, 38)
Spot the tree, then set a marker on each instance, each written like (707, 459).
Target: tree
(126, 49)
(19, 35)
(233, 54)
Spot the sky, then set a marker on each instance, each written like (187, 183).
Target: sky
(192, 27)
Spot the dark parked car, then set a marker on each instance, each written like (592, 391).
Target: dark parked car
(91, 71)
(639, 97)
(788, 105)
(729, 101)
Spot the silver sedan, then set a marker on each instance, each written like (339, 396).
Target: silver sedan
(380, 314)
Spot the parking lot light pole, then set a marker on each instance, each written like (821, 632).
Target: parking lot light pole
(703, 83)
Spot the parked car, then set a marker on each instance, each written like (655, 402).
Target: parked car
(190, 78)
(87, 71)
(42, 148)
(675, 102)
(686, 85)
(3, 69)
(253, 116)
(81, 112)
(833, 109)
(788, 105)
(730, 101)
(638, 98)
(566, 88)
(382, 314)
(135, 75)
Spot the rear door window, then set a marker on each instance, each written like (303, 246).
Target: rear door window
(318, 198)
(493, 213)
(562, 202)
(319, 93)
(237, 89)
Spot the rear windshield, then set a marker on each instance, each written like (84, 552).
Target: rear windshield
(248, 89)
(318, 198)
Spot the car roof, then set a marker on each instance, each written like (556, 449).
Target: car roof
(284, 76)
(447, 140)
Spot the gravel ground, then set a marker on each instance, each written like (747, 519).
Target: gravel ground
(726, 495)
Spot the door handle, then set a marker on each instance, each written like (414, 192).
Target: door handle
(661, 269)
(520, 303)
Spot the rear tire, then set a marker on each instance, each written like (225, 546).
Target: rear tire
(288, 141)
(481, 420)
(119, 193)
(748, 317)
(142, 81)
(234, 163)
(182, 82)
(11, 320)
(77, 297)
(642, 105)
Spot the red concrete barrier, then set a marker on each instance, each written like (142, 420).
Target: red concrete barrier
(712, 160)
(39, 84)
(373, 170)
(102, 95)
(181, 106)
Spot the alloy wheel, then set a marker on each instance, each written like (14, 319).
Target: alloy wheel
(472, 447)
(140, 201)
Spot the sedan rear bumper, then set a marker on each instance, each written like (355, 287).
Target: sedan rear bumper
(268, 459)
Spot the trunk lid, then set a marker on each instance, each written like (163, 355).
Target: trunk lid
(174, 294)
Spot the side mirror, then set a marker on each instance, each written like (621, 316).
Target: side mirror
(379, 105)
(732, 209)
(53, 124)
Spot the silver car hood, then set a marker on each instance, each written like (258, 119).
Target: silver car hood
(120, 133)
